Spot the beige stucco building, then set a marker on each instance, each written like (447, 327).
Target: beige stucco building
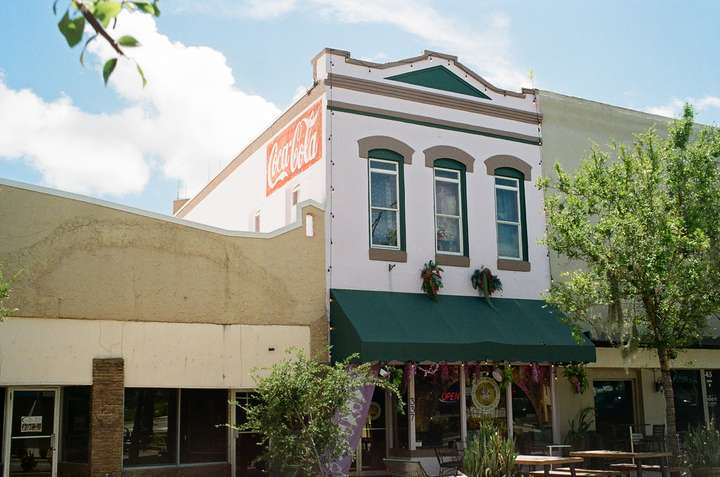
(571, 126)
(121, 301)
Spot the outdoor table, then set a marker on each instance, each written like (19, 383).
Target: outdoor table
(637, 457)
(547, 461)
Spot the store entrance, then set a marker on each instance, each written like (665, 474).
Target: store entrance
(31, 437)
(614, 412)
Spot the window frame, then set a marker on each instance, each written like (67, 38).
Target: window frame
(256, 222)
(451, 165)
(388, 157)
(518, 177)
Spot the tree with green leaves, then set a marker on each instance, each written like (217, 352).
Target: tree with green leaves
(296, 411)
(642, 224)
(5, 289)
(98, 15)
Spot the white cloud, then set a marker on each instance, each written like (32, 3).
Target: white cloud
(483, 45)
(674, 107)
(189, 117)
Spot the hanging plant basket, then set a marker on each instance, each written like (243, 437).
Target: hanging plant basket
(485, 282)
(431, 275)
(576, 374)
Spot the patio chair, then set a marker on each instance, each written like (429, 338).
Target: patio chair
(449, 460)
(404, 468)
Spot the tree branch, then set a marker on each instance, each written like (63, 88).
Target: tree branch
(99, 29)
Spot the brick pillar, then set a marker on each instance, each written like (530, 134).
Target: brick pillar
(106, 430)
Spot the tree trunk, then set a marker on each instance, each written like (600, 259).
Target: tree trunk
(671, 434)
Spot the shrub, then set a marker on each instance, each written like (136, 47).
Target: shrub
(489, 454)
(702, 447)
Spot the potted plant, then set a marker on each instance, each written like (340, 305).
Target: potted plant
(702, 449)
(431, 275)
(489, 453)
(576, 374)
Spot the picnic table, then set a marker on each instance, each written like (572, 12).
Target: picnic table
(637, 458)
(547, 461)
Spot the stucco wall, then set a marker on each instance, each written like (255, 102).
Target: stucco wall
(78, 259)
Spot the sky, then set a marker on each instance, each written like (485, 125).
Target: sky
(220, 71)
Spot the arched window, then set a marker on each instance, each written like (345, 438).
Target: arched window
(510, 211)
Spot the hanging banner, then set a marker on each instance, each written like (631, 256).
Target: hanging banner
(294, 149)
(353, 423)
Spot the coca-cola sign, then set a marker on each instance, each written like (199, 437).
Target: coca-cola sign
(295, 149)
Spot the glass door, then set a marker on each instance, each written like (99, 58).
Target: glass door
(31, 437)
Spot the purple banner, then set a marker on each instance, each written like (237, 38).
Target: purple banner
(353, 423)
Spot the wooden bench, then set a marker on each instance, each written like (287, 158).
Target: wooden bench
(598, 472)
(630, 467)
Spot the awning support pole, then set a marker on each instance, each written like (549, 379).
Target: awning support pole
(463, 408)
(553, 407)
(411, 410)
(509, 409)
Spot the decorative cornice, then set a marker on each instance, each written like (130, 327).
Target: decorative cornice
(428, 97)
(449, 152)
(431, 122)
(366, 144)
(426, 55)
(502, 160)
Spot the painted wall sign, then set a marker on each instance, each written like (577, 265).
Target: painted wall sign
(30, 423)
(294, 149)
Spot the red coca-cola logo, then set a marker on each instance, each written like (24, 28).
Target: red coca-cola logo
(295, 149)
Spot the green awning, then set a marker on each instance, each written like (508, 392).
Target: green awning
(389, 326)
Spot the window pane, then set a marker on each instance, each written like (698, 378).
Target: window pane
(75, 424)
(247, 449)
(508, 240)
(447, 174)
(447, 198)
(507, 205)
(384, 190)
(150, 426)
(506, 182)
(384, 228)
(386, 166)
(201, 412)
(448, 234)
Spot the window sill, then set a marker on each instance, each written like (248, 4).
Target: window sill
(452, 260)
(513, 265)
(385, 255)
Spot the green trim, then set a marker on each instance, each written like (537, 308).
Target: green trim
(452, 164)
(388, 155)
(439, 77)
(514, 173)
(534, 142)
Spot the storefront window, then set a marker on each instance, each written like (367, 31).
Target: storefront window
(688, 399)
(75, 424)
(484, 400)
(247, 449)
(203, 436)
(437, 407)
(712, 385)
(150, 426)
(532, 408)
(372, 443)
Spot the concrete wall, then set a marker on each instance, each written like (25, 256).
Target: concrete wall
(77, 259)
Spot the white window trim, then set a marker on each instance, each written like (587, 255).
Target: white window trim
(395, 173)
(518, 224)
(460, 218)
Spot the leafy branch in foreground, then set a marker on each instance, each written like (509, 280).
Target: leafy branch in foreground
(98, 14)
(644, 224)
(5, 289)
(296, 411)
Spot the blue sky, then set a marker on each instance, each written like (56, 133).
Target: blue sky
(220, 70)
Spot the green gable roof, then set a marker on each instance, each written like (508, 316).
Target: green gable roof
(392, 326)
(439, 77)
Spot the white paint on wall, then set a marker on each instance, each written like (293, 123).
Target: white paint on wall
(37, 351)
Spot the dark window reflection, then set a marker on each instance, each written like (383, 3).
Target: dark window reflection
(688, 399)
(203, 436)
(150, 434)
(247, 449)
(76, 424)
